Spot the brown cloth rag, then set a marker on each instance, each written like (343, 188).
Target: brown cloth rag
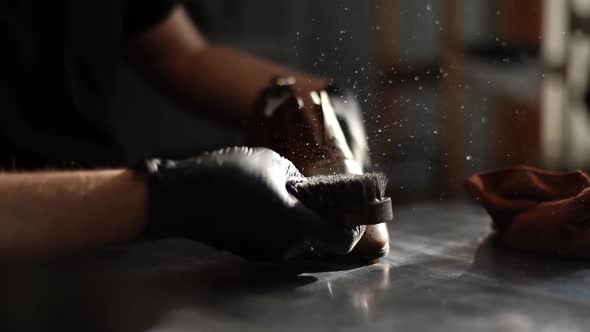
(537, 210)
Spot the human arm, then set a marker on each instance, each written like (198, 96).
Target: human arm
(223, 82)
(234, 200)
(48, 213)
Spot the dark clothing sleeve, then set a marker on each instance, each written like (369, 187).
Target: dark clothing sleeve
(57, 74)
(140, 15)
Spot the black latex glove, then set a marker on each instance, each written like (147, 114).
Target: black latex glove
(236, 199)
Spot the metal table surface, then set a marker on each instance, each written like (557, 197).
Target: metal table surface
(443, 274)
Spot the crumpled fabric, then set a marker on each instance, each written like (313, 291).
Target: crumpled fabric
(536, 210)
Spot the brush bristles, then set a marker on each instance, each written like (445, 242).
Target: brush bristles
(339, 191)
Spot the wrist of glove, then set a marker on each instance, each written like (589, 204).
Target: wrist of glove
(236, 199)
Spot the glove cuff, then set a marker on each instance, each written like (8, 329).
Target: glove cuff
(157, 226)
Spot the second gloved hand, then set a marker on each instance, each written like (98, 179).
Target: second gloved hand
(236, 199)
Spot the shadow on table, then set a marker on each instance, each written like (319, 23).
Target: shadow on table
(492, 260)
(131, 289)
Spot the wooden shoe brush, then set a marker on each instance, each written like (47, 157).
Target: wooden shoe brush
(348, 199)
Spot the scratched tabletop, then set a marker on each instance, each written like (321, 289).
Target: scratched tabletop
(443, 274)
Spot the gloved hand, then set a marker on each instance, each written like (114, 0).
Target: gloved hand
(236, 199)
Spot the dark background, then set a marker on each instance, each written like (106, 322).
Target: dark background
(447, 87)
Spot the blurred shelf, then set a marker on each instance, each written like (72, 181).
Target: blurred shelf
(520, 81)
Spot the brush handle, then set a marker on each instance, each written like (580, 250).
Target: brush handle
(371, 214)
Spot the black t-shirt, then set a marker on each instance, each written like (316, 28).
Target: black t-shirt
(56, 71)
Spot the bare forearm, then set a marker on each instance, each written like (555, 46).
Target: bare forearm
(43, 214)
(220, 81)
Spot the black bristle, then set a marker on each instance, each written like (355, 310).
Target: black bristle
(337, 191)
